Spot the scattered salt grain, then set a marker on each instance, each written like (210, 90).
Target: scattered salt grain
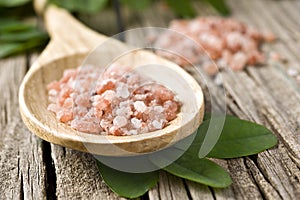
(292, 72)
(229, 40)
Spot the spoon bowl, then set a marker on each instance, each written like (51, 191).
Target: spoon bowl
(70, 43)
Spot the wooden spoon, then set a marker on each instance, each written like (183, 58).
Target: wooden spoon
(70, 43)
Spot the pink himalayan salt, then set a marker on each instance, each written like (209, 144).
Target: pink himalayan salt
(120, 102)
(225, 40)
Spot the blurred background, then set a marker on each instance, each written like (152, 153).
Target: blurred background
(21, 31)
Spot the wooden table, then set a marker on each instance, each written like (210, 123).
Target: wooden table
(34, 169)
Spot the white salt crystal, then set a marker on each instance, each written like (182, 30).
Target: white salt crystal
(136, 123)
(133, 132)
(122, 90)
(140, 96)
(140, 106)
(157, 124)
(52, 92)
(125, 103)
(292, 72)
(120, 121)
(124, 111)
(218, 80)
(159, 109)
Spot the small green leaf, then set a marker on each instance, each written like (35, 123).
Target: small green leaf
(220, 6)
(13, 3)
(130, 185)
(137, 5)
(241, 138)
(182, 8)
(83, 6)
(202, 171)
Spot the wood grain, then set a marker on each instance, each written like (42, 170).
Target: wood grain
(26, 162)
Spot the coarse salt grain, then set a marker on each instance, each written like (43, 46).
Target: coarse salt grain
(140, 106)
(226, 39)
(157, 124)
(137, 123)
(122, 90)
(120, 103)
(120, 121)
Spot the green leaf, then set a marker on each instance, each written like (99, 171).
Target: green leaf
(13, 3)
(83, 6)
(137, 5)
(220, 6)
(238, 138)
(182, 8)
(9, 49)
(130, 185)
(202, 171)
(32, 34)
(12, 25)
(241, 138)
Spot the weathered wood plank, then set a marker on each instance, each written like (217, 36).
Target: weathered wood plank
(77, 176)
(23, 171)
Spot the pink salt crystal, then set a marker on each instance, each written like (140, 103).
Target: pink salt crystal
(109, 95)
(53, 107)
(85, 126)
(233, 41)
(82, 100)
(140, 106)
(115, 131)
(79, 111)
(64, 93)
(239, 61)
(210, 68)
(120, 121)
(64, 115)
(170, 110)
(254, 34)
(274, 56)
(108, 84)
(115, 111)
(68, 74)
(269, 36)
(69, 103)
(55, 85)
(102, 104)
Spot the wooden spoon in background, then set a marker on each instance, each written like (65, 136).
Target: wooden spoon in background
(70, 43)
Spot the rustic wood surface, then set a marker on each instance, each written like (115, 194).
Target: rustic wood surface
(34, 169)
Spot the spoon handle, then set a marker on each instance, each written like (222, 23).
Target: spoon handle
(68, 35)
